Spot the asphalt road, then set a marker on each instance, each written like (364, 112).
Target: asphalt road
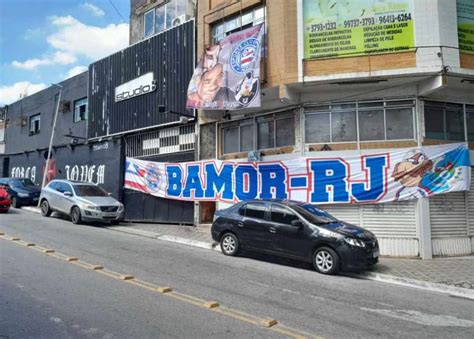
(45, 296)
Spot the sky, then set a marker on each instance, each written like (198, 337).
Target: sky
(47, 41)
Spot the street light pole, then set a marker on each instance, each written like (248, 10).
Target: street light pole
(52, 136)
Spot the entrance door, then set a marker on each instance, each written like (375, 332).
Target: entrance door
(6, 167)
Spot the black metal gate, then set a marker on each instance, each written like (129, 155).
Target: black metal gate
(148, 208)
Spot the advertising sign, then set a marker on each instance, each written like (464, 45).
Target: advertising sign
(138, 86)
(466, 26)
(228, 75)
(341, 28)
(341, 177)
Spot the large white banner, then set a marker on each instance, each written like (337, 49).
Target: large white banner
(339, 177)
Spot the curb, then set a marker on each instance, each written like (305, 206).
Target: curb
(33, 209)
(386, 278)
(420, 284)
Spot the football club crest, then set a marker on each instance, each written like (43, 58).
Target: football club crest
(244, 55)
(152, 177)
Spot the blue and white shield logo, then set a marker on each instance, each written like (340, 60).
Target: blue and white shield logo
(244, 55)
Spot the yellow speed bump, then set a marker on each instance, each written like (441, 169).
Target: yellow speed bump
(30, 244)
(211, 304)
(72, 259)
(127, 277)
(97, 267)
(164, 289)
(14, 238)
(268, 322)
(48, 251)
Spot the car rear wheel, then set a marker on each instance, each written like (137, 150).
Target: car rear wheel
(45, 209)
(230, 244)
(15, 203)
(76, 215)
(326, 261)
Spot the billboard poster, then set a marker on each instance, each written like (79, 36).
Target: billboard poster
(465, 10)
(341, 28)
(228, 75)
(340, 177)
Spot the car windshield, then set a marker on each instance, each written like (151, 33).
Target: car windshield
(18, 183)
(89, 191)
(314, 215)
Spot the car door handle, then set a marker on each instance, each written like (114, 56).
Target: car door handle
(273, 230)
(240, 224)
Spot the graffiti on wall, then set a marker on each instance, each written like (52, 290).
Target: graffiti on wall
(24, 172)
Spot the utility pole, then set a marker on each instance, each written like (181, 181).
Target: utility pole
(52, 136)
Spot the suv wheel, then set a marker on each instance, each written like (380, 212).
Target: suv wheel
(230, 244)
(76, 215)
(15, 203)
(326, 261)
(45, 209)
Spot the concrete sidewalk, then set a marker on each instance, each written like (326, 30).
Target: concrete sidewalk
(453, 276)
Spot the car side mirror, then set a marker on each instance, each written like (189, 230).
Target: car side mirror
(297, 223)
(68, 194)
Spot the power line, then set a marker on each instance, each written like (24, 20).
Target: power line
(118, 12)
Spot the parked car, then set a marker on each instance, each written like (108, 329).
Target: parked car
(81, 201)
(4, 200)
(295, 230)
(23, 191)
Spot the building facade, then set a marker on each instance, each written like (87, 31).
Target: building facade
(355, 79)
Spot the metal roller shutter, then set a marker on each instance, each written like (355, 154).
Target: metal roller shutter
(391, 220)
(448, 215)
(347, 213)
(470, 205)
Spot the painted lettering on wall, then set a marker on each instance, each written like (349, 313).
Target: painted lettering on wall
(93, 174)
(24, 172)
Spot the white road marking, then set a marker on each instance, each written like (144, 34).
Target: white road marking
(56, 320)
(423, 318)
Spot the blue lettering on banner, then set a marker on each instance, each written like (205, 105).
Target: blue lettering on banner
(175, 186)
(273, 181)
(374, 187)
(193, 182)
(329, 181)
(219, 183)
(246, 182)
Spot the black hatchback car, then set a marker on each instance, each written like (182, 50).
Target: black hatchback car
(295, 230)
(22, 191)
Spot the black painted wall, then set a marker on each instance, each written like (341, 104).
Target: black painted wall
(169, 55)
(100, 163)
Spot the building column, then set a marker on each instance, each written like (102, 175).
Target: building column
(423, 228)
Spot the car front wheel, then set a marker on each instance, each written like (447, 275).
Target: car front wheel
(230, 244)
(76, 215)
(45, 209)
(326, 261)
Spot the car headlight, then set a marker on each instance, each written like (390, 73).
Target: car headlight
(23, 195)
(354, 242)
(89, 207)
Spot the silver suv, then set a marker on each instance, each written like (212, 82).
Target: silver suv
(81, 201)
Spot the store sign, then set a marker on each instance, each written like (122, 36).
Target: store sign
(139, 86)
(341, 28)
(228, 74)
(465, 9)
(340, 177)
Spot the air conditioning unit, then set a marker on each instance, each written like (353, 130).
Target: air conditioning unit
(179, 20)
